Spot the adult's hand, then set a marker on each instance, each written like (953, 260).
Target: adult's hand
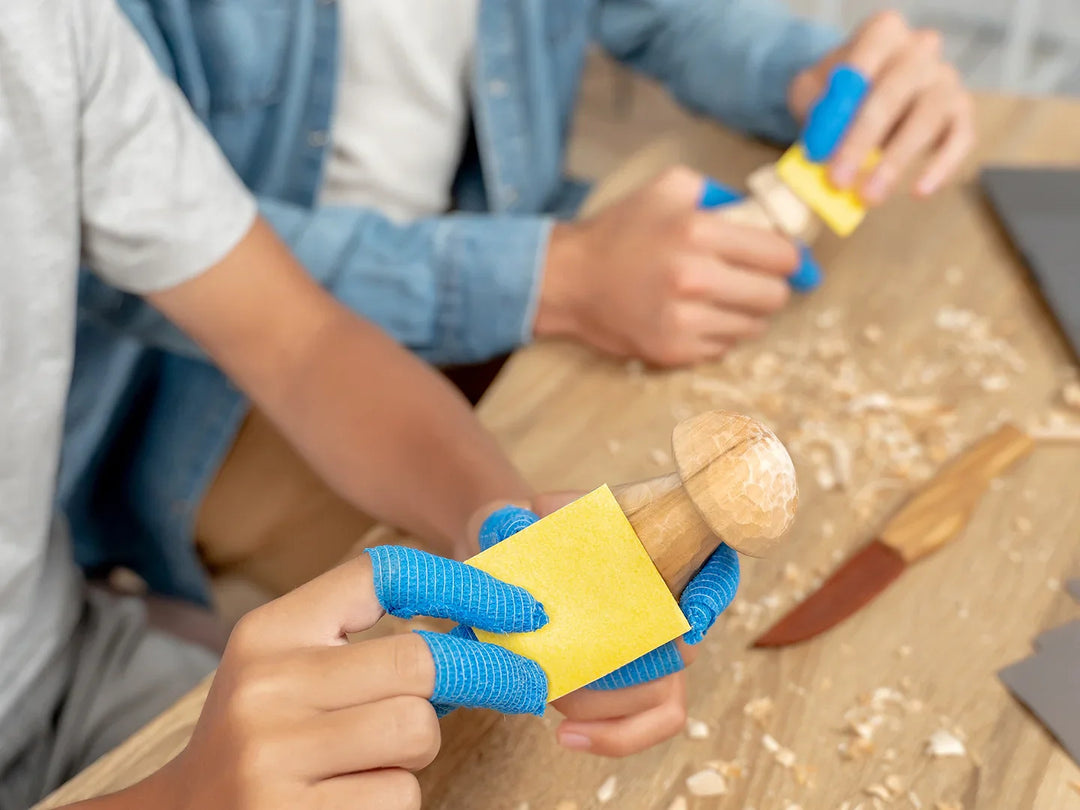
(654, 276)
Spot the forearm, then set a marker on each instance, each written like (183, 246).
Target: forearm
(375, 422)
(392, 436)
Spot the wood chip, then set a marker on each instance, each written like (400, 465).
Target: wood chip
(894, 783)
(993, 383)
(759, 709)
(1022, 524)
(880, 791)
(606, 791)
(697, 729)
(678, 803)
(707, 783)
(784, 756)
(903, 651)
(916, 802)
(804, 775)
(944, 743)
(660, 457)
(873, 333)
(614, 446)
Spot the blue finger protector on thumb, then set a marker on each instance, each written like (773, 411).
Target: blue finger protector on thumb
(473, 674)
(504, 523)
(832, 114)
(413, 583)
(710, 592)
(656, 664)
(808, 277)
(716, 194)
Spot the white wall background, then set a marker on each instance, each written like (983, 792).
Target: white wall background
(1030, 46)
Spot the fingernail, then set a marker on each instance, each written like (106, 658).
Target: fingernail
(877, 187)
(843, 174)
(575, 742)
(926, 186)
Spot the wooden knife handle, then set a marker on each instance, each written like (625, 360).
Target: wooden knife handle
(940, 510)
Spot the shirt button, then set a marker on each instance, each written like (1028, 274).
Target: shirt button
(318, 138)
(498, 88)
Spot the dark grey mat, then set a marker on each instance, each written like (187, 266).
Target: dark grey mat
(1040, 210)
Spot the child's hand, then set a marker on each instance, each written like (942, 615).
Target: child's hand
(297, 717)
(644, 702)
(917, 107)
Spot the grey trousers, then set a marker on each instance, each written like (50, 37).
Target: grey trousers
(115, 676)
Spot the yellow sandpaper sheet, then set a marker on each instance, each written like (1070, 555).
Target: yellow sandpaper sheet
(606, 602)
(841, 210)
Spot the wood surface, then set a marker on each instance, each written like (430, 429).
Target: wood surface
(571, 419)
(939, 513)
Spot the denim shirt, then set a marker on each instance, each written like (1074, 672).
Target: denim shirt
(149, 422)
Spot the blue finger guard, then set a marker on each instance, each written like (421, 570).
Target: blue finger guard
(412, 583)
(469, 673)
(710, 592)
(716, 194)
(656, 664)
(830, 117)
(505, 523)
(808, 277)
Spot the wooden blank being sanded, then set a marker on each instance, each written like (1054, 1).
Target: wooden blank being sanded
(609, 567)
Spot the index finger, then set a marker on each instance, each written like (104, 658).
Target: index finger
(398, 580)
(746, 246)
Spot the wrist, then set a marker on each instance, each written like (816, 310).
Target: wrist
(558, 310)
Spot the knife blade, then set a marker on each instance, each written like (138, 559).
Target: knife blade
(927, 521)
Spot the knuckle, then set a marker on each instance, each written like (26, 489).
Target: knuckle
(674, 179)
(256, 686)
(929, 40)
(417, 727)
(245, 635)
(403, 789)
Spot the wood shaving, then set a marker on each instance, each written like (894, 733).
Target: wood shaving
(731, 769)
(1022, 524)
(707, 783)
(759, 710)
(903, 651)
(784, 756)
(944, 743)
(880, 791)
(873, 333)
(994, 383)
(916, 802)
(606, 792)
(697, 729)
(1053, 583)
(804, 775)
(614, 446)
(894, 783)
(659, 457)
(678, 803)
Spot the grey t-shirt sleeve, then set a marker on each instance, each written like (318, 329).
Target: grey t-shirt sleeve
(159, 202)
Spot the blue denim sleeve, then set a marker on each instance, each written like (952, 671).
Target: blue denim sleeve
(454, 289)
(730, 59)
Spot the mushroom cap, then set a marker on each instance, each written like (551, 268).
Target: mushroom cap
(740, 478)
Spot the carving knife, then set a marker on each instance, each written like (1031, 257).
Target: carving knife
(926, 522)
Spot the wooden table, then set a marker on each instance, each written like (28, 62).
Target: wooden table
(571, 419)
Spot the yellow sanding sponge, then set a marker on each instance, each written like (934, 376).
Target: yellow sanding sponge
(841, 210)
(606, 602)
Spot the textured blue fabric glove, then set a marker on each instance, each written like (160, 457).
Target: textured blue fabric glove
(705, 597)
(807, 278)
(467, 672)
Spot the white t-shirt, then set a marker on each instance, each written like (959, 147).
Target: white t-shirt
(402, 108)
(101, 160)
